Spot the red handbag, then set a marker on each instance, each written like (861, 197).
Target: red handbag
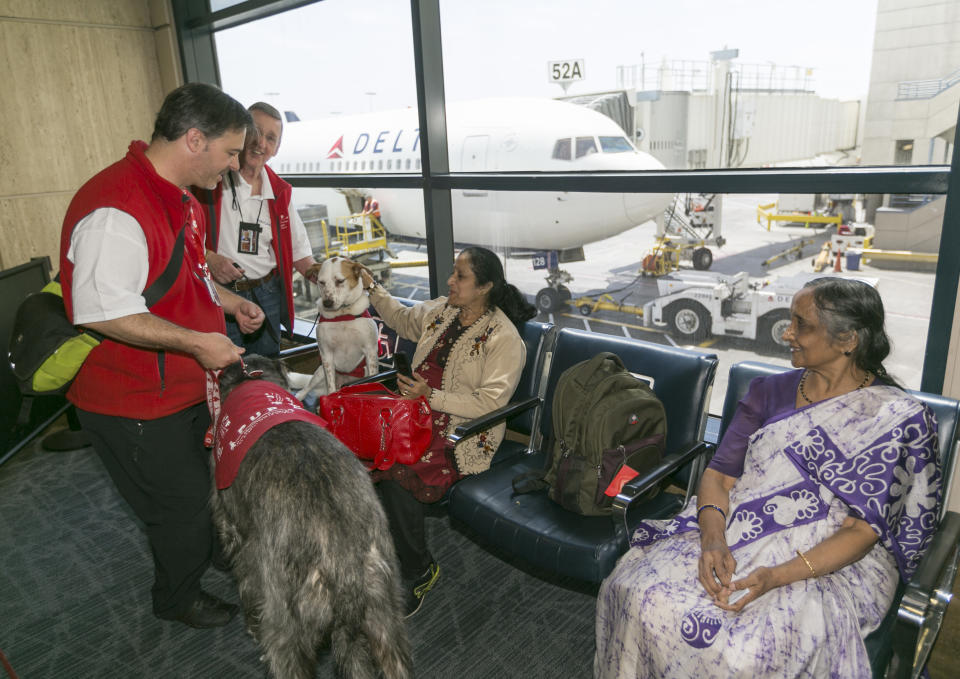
(378, 425)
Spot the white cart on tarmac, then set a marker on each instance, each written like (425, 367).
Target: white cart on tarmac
(696, 305)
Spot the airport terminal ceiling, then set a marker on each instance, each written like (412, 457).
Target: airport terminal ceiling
(562, 192)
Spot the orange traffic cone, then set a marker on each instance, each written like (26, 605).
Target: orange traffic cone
(838, 267)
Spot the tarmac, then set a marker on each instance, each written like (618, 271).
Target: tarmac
(613, 267)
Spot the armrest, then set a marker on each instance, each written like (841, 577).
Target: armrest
(638, 486)
(379, 377)
(299, 350)
(925, 600)
(486, 421)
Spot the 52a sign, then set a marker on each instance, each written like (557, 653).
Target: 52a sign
(565, 71)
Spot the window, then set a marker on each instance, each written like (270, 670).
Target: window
(365, 81)
(615, 145)
(904, 153)
(585, 146)
(561, 149)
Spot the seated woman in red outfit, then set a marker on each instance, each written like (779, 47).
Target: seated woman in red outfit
(468, 361)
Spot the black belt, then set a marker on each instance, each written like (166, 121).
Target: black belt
(245, 284)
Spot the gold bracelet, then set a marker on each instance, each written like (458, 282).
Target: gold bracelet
(806, 561)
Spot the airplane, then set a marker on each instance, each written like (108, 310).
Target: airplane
(490, 135)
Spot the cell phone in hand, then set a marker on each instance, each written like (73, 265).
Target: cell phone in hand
(402, 364)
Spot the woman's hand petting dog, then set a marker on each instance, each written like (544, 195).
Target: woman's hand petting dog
(413, 387)
(366, 278)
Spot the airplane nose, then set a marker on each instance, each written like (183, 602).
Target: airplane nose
(640, 207)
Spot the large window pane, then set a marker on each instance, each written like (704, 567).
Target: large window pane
(884, 93)
(689, 290)
(335, 58)
(337, 225)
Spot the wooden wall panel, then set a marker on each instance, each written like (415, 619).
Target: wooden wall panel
(35, 221)
(110, 12)
(81, 80)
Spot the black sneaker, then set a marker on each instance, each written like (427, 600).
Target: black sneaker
(417, 588)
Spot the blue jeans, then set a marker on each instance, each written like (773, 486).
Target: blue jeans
(269, 297)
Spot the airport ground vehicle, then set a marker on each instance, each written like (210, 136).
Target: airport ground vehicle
(696, 305)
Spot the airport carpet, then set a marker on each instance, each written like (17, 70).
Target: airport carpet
(75, 577)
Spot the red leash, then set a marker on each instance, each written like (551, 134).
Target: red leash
(6, 666)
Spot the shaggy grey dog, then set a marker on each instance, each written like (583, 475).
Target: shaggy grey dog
(311, 551)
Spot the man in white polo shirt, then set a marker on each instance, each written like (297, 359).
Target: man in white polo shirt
(256, 238)
(141, 395)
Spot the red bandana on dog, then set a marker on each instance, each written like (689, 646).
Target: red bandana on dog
(359, 370)
(249, 411)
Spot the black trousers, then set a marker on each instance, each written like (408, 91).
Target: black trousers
(406, 515)
(162, 470)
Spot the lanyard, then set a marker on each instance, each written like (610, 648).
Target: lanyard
(236, 202)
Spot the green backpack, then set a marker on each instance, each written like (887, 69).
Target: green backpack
(603, 418)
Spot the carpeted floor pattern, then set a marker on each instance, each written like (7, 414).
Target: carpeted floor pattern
(75, 577)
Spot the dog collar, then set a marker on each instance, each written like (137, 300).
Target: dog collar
(345, 317)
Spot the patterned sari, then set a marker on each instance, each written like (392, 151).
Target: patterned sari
(871, 454)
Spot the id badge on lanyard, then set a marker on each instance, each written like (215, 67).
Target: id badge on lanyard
(202, 271)
(249, 241)
(211, 289)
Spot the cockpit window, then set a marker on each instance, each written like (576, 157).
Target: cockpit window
(561, 149)
(585, 146)
(615, 144)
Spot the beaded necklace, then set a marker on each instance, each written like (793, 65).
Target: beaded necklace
(807, 372)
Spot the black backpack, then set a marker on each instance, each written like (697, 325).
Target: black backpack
(603, 418)
(46, 350)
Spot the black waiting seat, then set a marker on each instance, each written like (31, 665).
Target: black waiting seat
(521, 412)
(901, 645)
(542, 533)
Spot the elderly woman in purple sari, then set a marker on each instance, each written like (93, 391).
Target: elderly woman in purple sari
(823, 493)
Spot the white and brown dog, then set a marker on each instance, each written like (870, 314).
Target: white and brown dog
(346, 334)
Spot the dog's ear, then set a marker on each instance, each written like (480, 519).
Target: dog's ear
(314, 270)
(230, 377)
(355, 269)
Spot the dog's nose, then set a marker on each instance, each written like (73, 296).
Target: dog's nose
(327, 303)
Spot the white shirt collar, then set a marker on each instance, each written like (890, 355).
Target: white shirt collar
(244, 190)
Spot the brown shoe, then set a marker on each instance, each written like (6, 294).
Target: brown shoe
(208, 611)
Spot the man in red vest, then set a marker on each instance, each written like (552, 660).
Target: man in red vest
(256, 238)
(141, 394)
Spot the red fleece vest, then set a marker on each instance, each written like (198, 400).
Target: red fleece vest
(279, 224)
(250, 410)
(119, 379)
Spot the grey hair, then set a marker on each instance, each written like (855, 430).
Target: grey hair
(846, 306)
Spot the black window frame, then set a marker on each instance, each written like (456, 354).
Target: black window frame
(195, 28)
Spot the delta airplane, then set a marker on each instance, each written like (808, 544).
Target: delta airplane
(490, 135)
